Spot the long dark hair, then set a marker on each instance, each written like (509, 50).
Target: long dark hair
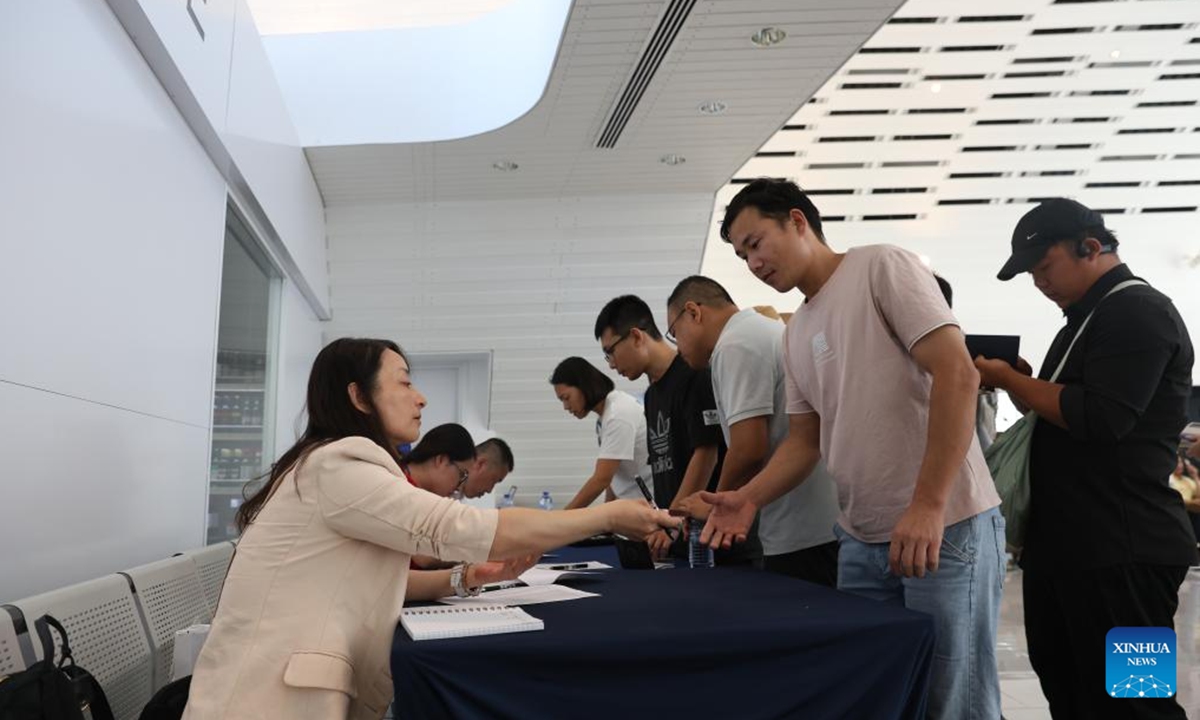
(579, 373)
(331, 414)
(452, 440)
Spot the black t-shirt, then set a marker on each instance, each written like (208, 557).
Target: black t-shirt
(1098, 490)
(681, 415)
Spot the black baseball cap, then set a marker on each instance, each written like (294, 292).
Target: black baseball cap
(1054, 220)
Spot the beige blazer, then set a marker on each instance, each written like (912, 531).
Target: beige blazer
(305, 621)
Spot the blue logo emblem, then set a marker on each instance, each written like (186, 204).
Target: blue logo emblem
(1140, 662)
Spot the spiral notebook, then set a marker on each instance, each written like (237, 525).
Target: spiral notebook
(452, 621)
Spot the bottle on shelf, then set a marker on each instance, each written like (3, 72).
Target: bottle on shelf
(546, 502)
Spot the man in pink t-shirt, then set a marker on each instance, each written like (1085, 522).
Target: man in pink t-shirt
(881, 386)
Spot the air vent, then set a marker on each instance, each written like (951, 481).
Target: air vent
(1110, 211)
(1076, 2)
(990, 148)
(1044, 60)
(1179, 208)
(871, 86)
(1063, 31)
(1066, 146)
(776, 153)
(1021, 95)
(974, 48)
(889, 217)
(965, 201)
(833, 218)
(831, 191)
(1177, 183)
(1179, 76)
(938, 136)
(747, 181)
(643, 73)
(899, 191)
(1145, 131)
(1007, 121)
(1100, 93)
(796, 127)
(1167, 103)
(1036, 74)
(835, 166)
(992, 18)
(1148, 28)
(914, 21)
(910, 163)
(935, 111)
(1178, 63)
(1113, 184)
(1128, 158)
(1186, 156)
(967, 76)
(846, 138)
(1123, 64)
(836, 113)
(1050, 173)
(880, 71)
(888, 50)
(1080, 120)
(976, 175)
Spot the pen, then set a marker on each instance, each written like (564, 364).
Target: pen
(650, 499)
(572, 566)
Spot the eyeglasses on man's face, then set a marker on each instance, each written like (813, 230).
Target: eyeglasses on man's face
(671, 326)
(609, 350)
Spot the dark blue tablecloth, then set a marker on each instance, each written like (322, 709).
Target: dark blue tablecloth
(720, 643)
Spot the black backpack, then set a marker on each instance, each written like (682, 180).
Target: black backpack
(50, 691)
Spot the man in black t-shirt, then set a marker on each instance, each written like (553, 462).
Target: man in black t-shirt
(683, 430)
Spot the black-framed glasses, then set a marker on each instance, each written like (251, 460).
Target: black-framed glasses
(608, 351)
(463, 476)
(671, 326)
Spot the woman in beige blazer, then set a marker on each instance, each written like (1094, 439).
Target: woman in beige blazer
(305, 621)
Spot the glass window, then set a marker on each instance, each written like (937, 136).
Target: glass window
(243, 399)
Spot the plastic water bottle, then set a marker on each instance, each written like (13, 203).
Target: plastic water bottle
(509, 498)
(546, 502)
(699, 554)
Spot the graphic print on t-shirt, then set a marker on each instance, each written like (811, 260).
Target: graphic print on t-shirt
(660, 445)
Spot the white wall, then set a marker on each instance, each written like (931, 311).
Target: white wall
(968, 246)
(524, 279)
(111, 221)
(299, 343)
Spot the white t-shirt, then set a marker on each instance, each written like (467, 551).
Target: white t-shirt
(748, 382)
(848, 358)
(621, 432)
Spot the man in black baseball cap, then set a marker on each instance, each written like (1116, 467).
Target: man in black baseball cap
(1107, 543)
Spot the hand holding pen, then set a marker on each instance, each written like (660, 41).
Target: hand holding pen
(671, 533)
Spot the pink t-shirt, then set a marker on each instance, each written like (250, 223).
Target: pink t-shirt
(847, 358)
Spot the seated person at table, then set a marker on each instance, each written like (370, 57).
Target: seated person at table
(493, 463)
(311, 600)
(442, 464)
(620, 430)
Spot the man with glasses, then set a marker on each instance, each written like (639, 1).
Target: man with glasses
(683, 430)
(493, 463)
(744, 352)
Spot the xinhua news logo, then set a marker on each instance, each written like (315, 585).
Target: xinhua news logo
(1140, 662)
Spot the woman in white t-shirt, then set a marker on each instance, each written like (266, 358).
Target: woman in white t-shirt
(620, 430)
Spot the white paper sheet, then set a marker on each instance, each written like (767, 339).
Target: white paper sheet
(522, 596)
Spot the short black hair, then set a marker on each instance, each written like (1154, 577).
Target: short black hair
(622, 314)
(774, 198)
(497, 450)
(451, 440)
(947, 291)
(579, 373)
(700, 290)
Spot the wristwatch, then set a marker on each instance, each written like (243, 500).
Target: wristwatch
(458, 574)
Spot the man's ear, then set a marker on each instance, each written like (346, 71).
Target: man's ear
(358, 399)
(798, 219)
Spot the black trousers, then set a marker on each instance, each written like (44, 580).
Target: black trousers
(1068, 613)
(817, 564)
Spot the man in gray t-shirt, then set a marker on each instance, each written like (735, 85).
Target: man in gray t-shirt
(745, 352)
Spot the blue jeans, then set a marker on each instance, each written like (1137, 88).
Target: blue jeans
(963, 597)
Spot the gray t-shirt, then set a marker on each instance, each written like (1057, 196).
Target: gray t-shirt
(848, 359)
(748, 382)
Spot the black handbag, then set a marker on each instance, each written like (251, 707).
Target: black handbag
(53, 691)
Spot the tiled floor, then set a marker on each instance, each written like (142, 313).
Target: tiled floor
(1022, 696)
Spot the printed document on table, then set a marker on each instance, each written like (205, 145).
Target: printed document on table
(531, 595)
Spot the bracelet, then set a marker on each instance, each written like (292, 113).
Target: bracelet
(458, 575)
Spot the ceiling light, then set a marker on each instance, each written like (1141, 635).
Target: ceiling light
(935, 88)
(1115, 54)
(768, 36)
(672, 159)
(505, 165)
(716, 107)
